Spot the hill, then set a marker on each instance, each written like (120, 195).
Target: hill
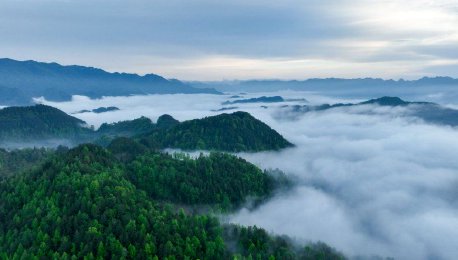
(23, 80)
(391, 101)
(22, 124)
(234, 132)
(127, 128)
(262, 99)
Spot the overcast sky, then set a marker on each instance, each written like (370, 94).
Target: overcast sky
(238, 39)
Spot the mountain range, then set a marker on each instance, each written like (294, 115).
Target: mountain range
(426, 111)
(20, 81)
(322, 84)
(234, 132)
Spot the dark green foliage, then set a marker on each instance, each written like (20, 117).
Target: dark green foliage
(104, 109)
(166, 121)
(256, 243)
(218, 178)
(12, 162)
(126, 149)
(39, 122)
(81, 204)
(137, 126)
(99, 110)
(234, 132)
(127, 128)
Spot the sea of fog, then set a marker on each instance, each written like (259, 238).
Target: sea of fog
(370, 180)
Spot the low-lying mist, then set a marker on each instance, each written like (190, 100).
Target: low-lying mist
(371, 180)
(370, 183)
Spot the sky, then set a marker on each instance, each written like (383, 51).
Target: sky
(238, 39)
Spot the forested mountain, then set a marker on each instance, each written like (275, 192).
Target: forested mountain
(234, 132)
(23, 80)
(39, 122)
(82, 204)
(127, 128)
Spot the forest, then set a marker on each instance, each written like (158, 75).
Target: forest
(91, 202)
(123, 197)
(234, 132)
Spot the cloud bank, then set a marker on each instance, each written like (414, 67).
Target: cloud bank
(369, 184)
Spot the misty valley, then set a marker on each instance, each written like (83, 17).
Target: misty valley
(284, 175)
(233, 130)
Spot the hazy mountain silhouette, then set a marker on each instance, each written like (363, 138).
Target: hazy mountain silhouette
(322, 84)
(20, 81)
(427, 111)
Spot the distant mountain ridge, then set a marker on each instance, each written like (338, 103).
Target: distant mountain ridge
(322, 84)
(20, 81)
(427, 111)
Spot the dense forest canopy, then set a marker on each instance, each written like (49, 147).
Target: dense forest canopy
(86, 203)
(234, 132)
(39, 122)
(12, 162)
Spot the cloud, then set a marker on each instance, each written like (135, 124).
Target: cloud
(287, 39)
(376, 183)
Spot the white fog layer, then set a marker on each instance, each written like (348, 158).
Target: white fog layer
(371, 180)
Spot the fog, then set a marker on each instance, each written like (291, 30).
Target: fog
(370, 184)
(371, 180)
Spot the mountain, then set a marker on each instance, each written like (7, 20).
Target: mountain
(238, 131)
(234, 132)
(427, 111)
(23, 80)
(127, 128)
(323, 84)
(82, 205)
(22, 124)
(12, 96)
(262, 99)
(391, 101)
(383, 101)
